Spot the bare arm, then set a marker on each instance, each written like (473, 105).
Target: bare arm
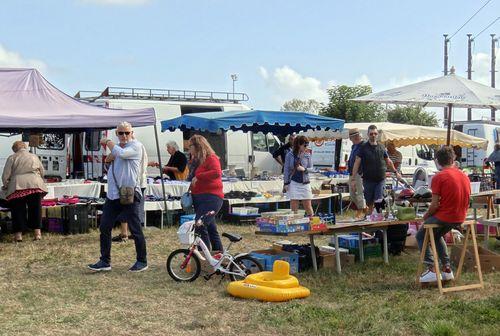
(391, 166)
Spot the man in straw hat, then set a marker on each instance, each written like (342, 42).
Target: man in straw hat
(356, 193)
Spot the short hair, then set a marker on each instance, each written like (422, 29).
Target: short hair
(497, 146)
(173, 144)
(445, 156)
(372, 127)
(17, 145)
(124, 124)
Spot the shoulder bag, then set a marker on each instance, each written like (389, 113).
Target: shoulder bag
(126, 193)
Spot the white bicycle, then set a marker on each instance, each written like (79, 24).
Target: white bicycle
(184, 265)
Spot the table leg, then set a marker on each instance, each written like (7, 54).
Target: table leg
(145, 219)
(313, 253)
(386, 250)
(337, 253)
(161, 220)
(486, 235)
(341, 205)
(361, 249)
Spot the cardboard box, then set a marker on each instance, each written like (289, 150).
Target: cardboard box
(411, 242)
(327, 260)
(489, 260)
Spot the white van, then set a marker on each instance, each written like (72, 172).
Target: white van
(79, 155)
(486, 129)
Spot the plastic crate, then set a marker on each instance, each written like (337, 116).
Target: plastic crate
(352, 241)
(268, 257)
(369, 251)
(186, 218)
(55, 225)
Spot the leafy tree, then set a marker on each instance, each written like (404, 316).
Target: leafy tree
(340, 106)
(310, 105)
(414, 115)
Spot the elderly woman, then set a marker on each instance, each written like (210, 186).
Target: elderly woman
(296, 175)
(23, 181)
(176, 167)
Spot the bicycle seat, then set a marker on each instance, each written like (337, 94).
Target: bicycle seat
(232, 237)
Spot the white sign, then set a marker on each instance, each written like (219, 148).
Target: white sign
(323, 153)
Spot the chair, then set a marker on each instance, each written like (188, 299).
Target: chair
(429, 237)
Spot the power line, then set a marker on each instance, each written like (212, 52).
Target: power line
(498, 18)
(459, 29)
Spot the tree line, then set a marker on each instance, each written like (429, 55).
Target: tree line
(340, 106)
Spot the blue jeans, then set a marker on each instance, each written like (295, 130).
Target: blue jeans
(438, 239)
(204, 203)
(113, 211)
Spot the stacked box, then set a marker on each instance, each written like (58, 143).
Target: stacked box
(371, 247)
(268, 257)
(282, 223)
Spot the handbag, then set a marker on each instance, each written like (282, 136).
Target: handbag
(186, 200)
(126, 193)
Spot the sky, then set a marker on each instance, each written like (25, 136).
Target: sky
(279, 49)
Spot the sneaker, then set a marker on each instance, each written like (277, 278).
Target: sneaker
(119, 239)
(138, 267)
(428, 276)
(447, 274)
(99, 266)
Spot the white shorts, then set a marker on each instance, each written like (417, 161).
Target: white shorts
(299, 191)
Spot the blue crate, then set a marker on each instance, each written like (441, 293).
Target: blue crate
(268, 257)
(186, 218)
(352, 241)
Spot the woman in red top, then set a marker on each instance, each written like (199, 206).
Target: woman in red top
(206, 188)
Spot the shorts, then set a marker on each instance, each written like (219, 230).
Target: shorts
(374, 191)
(357, 196)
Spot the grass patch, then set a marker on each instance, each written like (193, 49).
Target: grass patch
(46, 290)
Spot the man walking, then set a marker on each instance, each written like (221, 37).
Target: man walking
(373, 160)
(450, 201)
(356, 193)
(124, 171)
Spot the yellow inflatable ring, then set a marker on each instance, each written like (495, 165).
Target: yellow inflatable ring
(275, 286)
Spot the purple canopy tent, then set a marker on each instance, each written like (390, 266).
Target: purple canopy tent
(29, 102)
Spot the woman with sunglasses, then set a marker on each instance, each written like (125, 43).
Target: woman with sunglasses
(296, 175)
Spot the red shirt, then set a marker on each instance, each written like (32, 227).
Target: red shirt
(209, 177)
(453, 186)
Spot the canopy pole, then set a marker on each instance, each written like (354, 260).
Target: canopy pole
(448, 134)
(161, 169)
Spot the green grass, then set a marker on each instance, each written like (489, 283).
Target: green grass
(46, 290)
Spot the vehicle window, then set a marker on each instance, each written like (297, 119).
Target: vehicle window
(92, 140)
(272, 143)
(259, 142)
(425, 152)
(52, 141)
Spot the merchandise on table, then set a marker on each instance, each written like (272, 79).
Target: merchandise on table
(245, 210)
(281, 222)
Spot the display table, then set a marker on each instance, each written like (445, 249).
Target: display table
(73, 187)
(489, 200)
(160, 206)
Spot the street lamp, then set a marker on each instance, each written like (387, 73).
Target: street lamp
(234, 77)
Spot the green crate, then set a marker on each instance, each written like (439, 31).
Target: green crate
(373, 250)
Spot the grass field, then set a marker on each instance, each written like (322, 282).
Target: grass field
(45, 289)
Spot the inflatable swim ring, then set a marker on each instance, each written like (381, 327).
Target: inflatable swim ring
(275, 286)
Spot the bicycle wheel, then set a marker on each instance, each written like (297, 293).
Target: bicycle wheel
(247, 264)
(187, 274)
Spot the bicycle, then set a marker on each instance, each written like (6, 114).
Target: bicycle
(184, 265)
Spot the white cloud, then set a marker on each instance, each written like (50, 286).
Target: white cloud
(363, 80)
(286, 84)
(117, 2)
(12, 59)
(481, 66)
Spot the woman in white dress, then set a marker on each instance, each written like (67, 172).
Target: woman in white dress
(296, 175)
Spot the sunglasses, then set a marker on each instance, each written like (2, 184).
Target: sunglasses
(124, 133)
(306, 144)
(373, 134)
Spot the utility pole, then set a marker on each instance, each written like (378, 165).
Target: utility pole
(469, 68)
(234, 78)
(493, 61)
(446, 41)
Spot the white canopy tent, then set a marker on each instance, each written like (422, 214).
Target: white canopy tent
(445, 91)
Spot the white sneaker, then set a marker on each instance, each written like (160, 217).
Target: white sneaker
(447, 276)
(428, 276)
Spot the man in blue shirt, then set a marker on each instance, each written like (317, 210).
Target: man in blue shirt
(356, 193)
(125, 171)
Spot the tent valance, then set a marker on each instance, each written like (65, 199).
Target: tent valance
(276, 122)
(29, 101)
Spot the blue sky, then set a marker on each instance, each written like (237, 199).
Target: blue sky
(279, 49)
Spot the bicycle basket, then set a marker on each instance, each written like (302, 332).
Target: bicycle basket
(186, 233)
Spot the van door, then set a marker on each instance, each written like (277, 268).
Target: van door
(263, 146)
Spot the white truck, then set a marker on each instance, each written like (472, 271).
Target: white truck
(79, 155)
(489, 130)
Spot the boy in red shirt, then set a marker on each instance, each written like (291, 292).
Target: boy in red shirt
(450, 201)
